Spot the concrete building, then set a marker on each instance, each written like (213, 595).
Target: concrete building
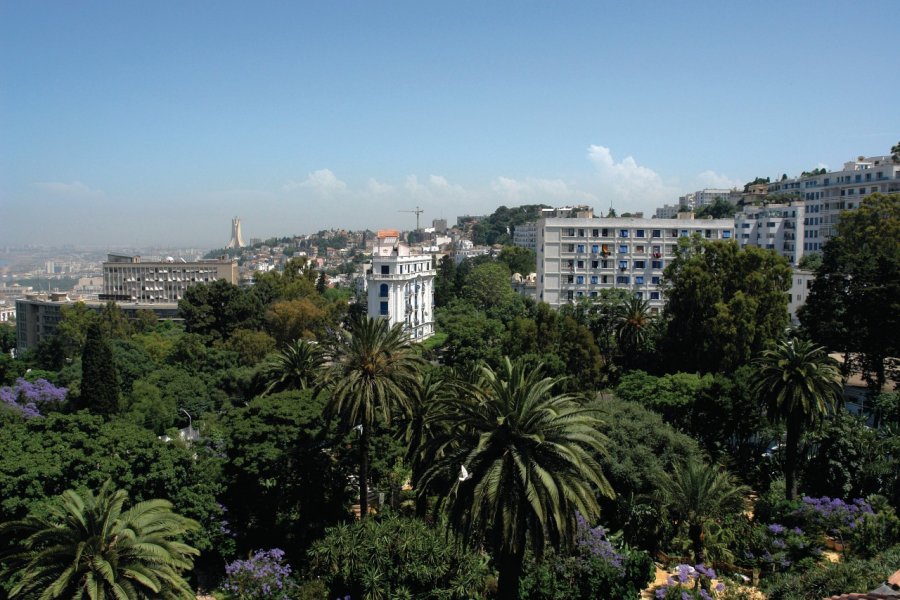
(400, 286)
(705, 197)
(667, 211)
(801, 284)
(128, 279)
(577, 258)
(525, 235)
(38, 315)
(826, 195)
(778, 227)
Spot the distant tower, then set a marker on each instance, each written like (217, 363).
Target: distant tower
(236, 240)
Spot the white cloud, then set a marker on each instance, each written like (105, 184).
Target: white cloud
(628, 185)
(322, 182)
(711, 179)
(536, 189)
(76, 189)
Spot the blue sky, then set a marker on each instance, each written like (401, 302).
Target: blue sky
(153, 123)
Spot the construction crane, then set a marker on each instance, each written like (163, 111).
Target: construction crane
(418, 212)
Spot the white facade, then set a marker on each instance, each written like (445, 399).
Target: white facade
(704, 197)
(577, 258)
(400, 287)
(525, 235)
(801, 283)
(778, 227)
(826, 196)
(668, 211)
(128, 279)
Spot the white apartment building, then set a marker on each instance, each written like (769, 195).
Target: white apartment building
(704, 197)
(525, 235)
(128, 279)
(801, 284)
(826, 196)
(668, 211)
(401, 286)
(577, 258)
(778, 227)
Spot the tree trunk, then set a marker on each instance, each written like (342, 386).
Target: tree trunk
(792, 444)
(421, 494)
(364, 473)
(695, 533)
(510, 564)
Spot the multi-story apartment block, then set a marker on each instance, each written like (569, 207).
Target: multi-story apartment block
(579, 257)
(828, 194)
(127, 278)
(525, 235)
(668, 211)
(778, 227)
(704, 197)
(401, 286)
(801, 284)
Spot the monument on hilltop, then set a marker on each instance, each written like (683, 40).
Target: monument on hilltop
(236, 240)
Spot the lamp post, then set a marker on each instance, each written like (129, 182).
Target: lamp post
(190, 425)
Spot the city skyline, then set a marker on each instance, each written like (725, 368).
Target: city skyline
(155, 125)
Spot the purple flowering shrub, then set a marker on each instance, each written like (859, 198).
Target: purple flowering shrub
(263, 576)
(691, 583)
(776, 548)
(597, 568)
(832, 516)
(31, 398)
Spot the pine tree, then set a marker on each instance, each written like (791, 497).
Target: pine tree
(99, 381)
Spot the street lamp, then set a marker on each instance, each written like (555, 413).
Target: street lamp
(190, 425)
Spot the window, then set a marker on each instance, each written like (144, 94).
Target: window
(580, 264)
(623, 279)
(570, 295)
(639, 280)
(579, 279)
(654, 280)
(604, 279)
(604, 264)
(384, 308)
(606, 233)
(623, 233)
(385, 270)
(571, 231)
(640, 264)
(657, 264)
(639, 233)
(685, 233)
(639, 295)
(595, 232)
(593, 279)
(581, 233)
(623, 264)
(639, 249)
(657, 233)
(581, 247)
(571, 247)
(623, 249)
(726, 235)
(570, 279)
(654, 295)
(595, 264)
(595, 248)
(384, 290)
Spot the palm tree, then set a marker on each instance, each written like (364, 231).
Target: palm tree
(698, 494)
(298, 367)
(516, 461)
(632, 325)
(88, 547)
(417, 429)
(799, 384)
(374, 366)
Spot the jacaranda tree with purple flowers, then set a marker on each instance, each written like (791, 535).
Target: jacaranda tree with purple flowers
(32, 399)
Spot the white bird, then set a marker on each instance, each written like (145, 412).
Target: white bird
(464, 473)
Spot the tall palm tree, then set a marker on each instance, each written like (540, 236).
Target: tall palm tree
(417, 429)
(373, 368)
(632, 325)
(298, 367)
(516, 461)
(799, 384)
(88, 547)
(698, 494)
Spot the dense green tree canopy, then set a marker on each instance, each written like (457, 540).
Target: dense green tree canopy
(854, 304)
(724, 304)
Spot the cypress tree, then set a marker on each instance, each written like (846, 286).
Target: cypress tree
(99, 381)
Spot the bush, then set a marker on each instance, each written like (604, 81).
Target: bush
(821, 581)
(597, 569)
(395, 557)
(263, 576)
